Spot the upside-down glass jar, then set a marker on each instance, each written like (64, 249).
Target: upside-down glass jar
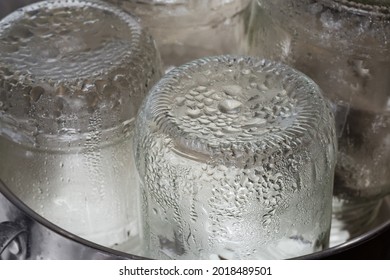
(236, 157)
(188, 29)
(344, 46)
(72, 76)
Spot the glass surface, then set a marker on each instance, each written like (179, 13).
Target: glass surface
(72, 76)
(344, 47)
(236, 156)
(188, 29)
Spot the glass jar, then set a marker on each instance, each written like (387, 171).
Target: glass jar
(236, 157)
(343, 46)
(72, 76)
(188, 29)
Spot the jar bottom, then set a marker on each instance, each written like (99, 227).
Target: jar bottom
(352, 218)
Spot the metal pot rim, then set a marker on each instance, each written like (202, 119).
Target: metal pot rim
(122, 255)
(352, 243)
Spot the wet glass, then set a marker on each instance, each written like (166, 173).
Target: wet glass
(344, 47)
(236, 156)
(72, 76)
(188, 29)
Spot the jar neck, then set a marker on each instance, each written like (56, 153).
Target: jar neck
(376, 8)
(367, 2)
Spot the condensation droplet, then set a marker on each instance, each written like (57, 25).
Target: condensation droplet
(194, 113)
(230, 106)
(180, 101)
(232, 90)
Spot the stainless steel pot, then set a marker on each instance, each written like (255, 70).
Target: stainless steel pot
(26, 235)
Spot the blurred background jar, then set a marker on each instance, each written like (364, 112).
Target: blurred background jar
(72, 76)
(236, 157)
(188, 29)
(344, 46)
(7, 7)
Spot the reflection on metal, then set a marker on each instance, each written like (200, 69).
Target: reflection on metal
(13, 241)
(380, 225)
(26, 235)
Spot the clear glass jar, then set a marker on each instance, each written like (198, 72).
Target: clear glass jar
(236, 157)
(344, 47)
(72, 76)
(188, 29)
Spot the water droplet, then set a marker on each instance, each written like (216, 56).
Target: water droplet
(210, 111)
(194, 113)
(201, 89)
(180, 101)
(200, 105)
(230, 106)
(208, 101)
(230, 129)
(204, 121)
(190, 104)
(263, 87)
(199, 98)
(219, 134)
(232, 90)
(194, 93)
(256, 122)
(208, 93)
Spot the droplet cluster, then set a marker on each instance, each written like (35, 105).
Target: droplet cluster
(226, 147)
(61, 61)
